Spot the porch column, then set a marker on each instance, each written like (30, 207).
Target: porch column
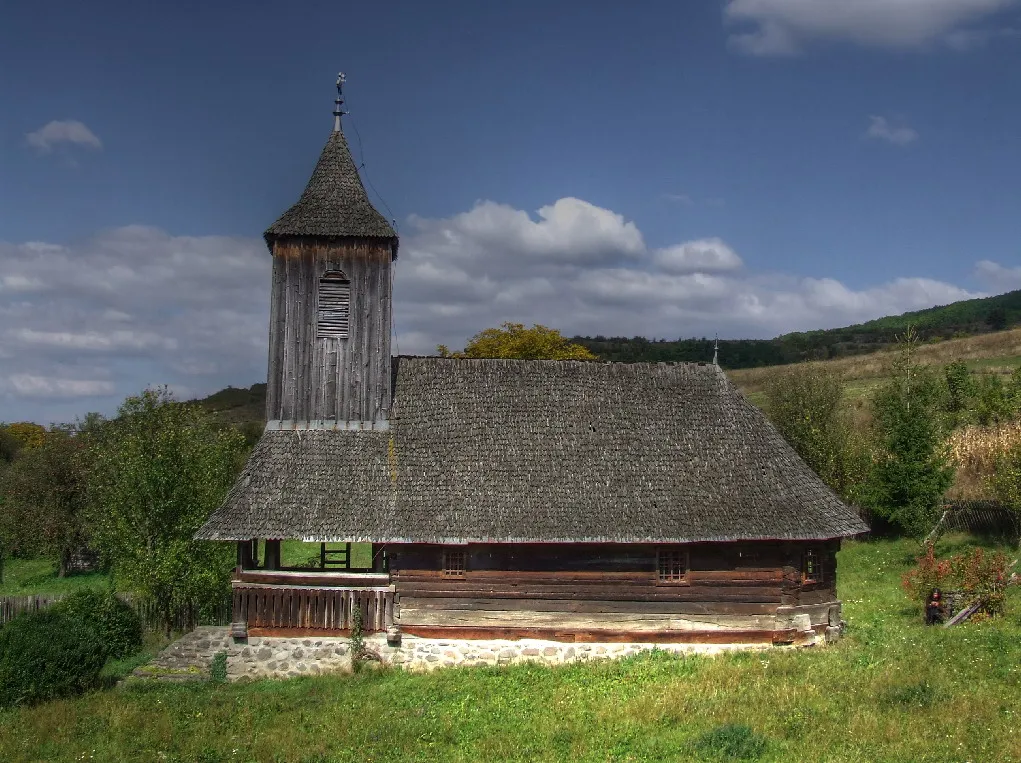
(272, 554)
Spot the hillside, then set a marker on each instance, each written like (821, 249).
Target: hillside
(965, 318)
(994, 352)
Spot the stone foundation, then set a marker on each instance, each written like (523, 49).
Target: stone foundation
(284, 657)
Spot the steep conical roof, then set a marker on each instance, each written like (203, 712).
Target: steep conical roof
(334, 202)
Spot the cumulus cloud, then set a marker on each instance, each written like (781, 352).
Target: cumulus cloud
(453, 280)
(881, 129)
(68, 132)
(784, 27)
(706, 255)
(103, 318)
(996, 276)
(84, 325)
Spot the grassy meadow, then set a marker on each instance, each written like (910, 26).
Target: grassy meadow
(998, 352)
(892, 690)
(26, 577)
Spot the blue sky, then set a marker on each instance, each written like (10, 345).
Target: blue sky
(746, 167)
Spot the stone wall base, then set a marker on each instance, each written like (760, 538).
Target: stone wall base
(284, 657)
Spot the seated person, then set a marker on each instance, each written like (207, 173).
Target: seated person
(935, 611)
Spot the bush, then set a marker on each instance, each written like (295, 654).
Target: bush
(117, 624)
(978, 575)
(44, 655)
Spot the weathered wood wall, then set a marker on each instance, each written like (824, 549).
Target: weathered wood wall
(312, 609)
(322, 379)
(606, 588)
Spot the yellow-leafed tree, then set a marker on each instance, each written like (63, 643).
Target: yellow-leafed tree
(513, 340)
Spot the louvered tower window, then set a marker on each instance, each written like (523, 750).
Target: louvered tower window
(334, 306)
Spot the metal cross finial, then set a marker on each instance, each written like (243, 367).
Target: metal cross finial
(716, 348)
(338, 112)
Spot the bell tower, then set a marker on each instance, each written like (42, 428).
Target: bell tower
(329, 333)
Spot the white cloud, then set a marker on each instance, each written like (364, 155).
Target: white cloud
(454, 280)
(679, 198)
(706, 255)
(69, 131)
(137, 306)
(27, 385)
(997, 277)
(881, 129)
(130, 307)
(784, 27)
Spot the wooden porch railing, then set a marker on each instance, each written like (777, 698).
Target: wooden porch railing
(312, 607)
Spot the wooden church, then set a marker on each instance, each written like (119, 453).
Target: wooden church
(566, 500)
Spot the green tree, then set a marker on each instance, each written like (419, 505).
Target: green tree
(960, 392)
(912, 472)
(513, 340)
(993, 400)
(160, 469)
(804, 404)
(997, 319)
(44, 497)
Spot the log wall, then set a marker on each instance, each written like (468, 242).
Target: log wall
(611, 589)
(309, 378)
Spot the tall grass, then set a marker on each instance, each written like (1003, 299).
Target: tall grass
(892, 690)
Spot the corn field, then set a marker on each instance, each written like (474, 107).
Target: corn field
(976, 448)
(974, 451)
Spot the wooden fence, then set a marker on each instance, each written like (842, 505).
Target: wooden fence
(313, 608)
(183, 619)
(977, 517)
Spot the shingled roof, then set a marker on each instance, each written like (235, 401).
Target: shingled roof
(334, 203)
(539, 451)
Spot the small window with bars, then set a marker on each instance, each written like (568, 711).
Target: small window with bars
(454, 562)
(812, 568)
(672, 564)
(334, 306)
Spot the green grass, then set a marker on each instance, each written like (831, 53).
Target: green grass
(295, 553)
(24, 577)
(892, 690)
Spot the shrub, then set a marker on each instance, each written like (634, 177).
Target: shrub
(44, 655)
(218, 668)
(978, 575)
(117, 624)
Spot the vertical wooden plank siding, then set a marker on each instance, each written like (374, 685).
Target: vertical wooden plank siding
(329, 379)
(276, 345)
(312, 608)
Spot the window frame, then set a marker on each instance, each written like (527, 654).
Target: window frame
(674, 557)
(454, 563)
(813, 565)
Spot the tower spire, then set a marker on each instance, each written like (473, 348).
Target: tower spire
(716, 348)
(338, 112)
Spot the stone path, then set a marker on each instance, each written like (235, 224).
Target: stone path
(190, 657)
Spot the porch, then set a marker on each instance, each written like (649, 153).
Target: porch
(323, 600)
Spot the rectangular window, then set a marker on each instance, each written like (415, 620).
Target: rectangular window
(672, 564)
(334, 308)
(454, 563)
(812, 566)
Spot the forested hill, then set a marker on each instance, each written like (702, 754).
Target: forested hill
(965, 318)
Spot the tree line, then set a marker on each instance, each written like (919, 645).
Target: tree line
(964, 318)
